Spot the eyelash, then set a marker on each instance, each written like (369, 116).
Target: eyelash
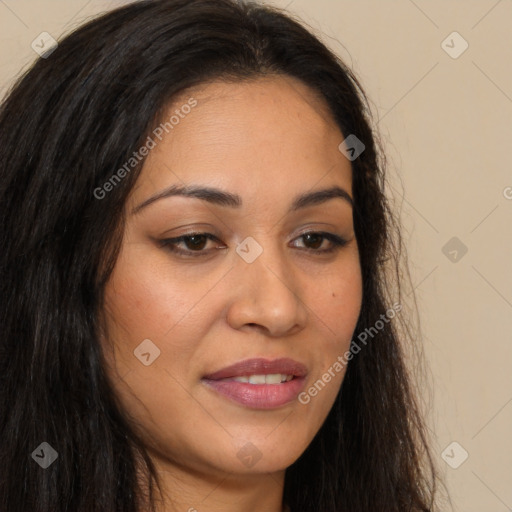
(170, 243)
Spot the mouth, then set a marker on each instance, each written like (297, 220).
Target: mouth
(259, 383)
(271, 378)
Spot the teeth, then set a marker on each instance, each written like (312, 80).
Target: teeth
(275, 378)
(258, 379)
(272, 379)
(242, 379)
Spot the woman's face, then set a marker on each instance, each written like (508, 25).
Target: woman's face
(252, 291)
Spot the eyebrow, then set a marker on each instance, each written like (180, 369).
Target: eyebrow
(223, 198)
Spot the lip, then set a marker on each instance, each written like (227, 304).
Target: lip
(260, 366)
(259, 396)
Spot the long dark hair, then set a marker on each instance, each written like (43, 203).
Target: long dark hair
(66, 126)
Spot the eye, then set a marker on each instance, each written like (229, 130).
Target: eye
(194, 244)
(315, 240)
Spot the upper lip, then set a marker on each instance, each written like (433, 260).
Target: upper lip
(259, 366)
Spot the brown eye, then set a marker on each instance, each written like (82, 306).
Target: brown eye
(191, 245)
(314, 240)
(195, 242)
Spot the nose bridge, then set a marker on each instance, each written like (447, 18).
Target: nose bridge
(265, 260)
(269, 294)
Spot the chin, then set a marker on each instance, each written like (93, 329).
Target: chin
(265, 455)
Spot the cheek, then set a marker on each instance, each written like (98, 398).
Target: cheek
(153, 308)
(338, 304)
(145, 300)
(337, 307)
(148, 299)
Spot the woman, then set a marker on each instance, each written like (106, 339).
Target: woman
(196, 313)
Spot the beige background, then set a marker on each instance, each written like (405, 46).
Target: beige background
(447, 126)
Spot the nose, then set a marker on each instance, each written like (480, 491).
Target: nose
(266, 295)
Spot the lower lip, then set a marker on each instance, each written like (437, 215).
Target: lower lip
(258, 396)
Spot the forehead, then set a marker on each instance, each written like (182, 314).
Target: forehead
(272, 133)
(256, 110)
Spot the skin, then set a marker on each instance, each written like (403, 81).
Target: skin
(267, 140)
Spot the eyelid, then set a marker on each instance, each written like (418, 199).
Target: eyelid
(169, 242)
(337, 241)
